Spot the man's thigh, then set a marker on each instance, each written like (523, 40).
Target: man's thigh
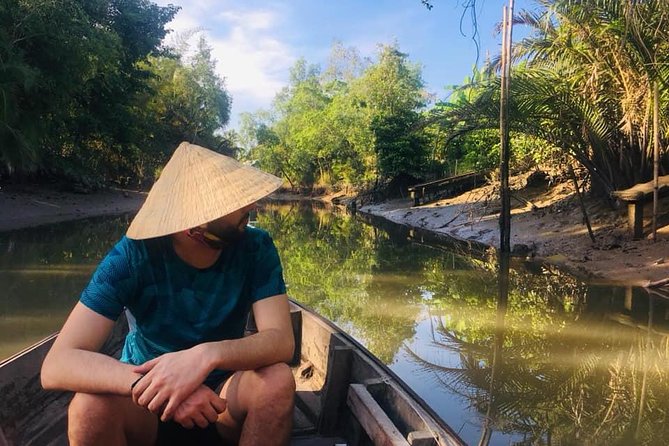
(101, 417)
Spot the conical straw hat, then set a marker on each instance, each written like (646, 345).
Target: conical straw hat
(197, 186)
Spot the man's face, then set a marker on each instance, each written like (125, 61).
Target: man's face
(230, 228)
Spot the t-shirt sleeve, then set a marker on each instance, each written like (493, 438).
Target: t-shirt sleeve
(113, 282)
(267, 278)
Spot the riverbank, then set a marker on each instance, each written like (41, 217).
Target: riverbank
(547, 224)
(25, 206)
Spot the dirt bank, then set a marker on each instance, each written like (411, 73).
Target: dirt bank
(24, 206)
(553, 231)
(547, 223)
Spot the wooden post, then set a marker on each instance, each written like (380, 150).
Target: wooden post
(656, 155)
(505, 193)
(635, 218)
(335, 388)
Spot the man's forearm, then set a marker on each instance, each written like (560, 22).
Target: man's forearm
(89, 372)
(252, 352)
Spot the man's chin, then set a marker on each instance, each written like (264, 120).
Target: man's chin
(232, 237)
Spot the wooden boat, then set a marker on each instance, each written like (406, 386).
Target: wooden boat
(345, 396)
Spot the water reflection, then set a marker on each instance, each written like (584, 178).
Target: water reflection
(556, 362)
(42, 273)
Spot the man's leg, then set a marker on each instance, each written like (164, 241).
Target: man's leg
(260, 406)
(109, 420)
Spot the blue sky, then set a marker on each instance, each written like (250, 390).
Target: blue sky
(256, 42)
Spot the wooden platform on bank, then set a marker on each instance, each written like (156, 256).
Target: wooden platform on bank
(446, 187)
(636, 197)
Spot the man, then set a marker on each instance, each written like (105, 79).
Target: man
(187, 273)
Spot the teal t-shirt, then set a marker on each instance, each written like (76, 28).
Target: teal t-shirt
(173, 306)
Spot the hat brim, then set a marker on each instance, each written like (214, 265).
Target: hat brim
(195, 187)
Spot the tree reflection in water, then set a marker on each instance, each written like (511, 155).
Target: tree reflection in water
(574, 367)
(560, 363)
(42, 273)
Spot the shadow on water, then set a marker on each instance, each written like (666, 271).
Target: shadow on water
(556, 361)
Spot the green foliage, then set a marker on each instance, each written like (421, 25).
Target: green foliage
(583, 86)
(82, 84)
(476, 150)
(344, 127)
(188, 102)
(400, 149)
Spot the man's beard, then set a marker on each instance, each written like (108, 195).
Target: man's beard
(229, 234)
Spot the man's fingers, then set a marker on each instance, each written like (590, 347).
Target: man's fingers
(171, 407)
(157, 404)
(146, 395)
(219, 404)
(140, 388)
(200, 420)
(146, 367)
(209, 413)
(187, 423)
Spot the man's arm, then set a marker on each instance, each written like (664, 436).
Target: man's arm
(73, 363)
(273, 343)
(172, 377)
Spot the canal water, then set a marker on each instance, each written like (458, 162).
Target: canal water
(557, 362)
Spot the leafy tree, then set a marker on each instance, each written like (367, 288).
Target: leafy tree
(70, 82)
(188, 101)
(401, 149)
(585, 85)
(331, 128)
(392, 90)
(392, 85)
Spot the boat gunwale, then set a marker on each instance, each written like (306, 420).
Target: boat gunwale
(383, 369)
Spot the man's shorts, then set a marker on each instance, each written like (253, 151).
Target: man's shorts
(174, 434)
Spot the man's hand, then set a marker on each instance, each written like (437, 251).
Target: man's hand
(169, 380)
(201, 408)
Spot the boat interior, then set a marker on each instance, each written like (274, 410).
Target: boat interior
(345, 396)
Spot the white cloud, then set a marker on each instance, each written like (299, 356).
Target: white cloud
(247, 46)
(252, 20)
(254, 61)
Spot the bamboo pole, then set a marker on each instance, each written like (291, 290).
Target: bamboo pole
(656, 157)
(505, 193)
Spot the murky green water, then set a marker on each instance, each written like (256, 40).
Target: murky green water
(560, 362)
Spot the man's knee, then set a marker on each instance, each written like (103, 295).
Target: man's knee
(109, 419)
(86, 405)
(89, 414)
(275, 384)
(277, 378)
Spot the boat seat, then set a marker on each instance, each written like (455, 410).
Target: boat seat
(376, 421)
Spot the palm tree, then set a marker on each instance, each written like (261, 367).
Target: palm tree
(583, 82)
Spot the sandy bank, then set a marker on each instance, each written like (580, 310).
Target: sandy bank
(553, 231)
(28, 206)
